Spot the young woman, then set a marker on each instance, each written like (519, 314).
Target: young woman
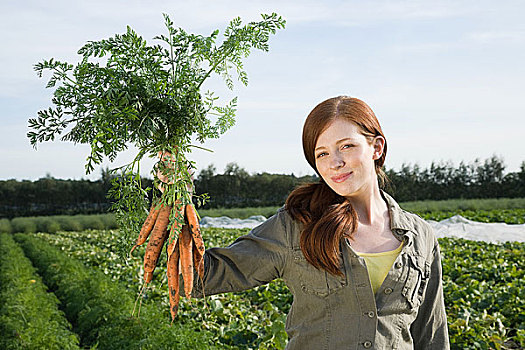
(363, 272)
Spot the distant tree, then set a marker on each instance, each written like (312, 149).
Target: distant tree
(521, 181)
(106, 177)
(232, 169)
(489, 176)
(490, 171)
(207, 173)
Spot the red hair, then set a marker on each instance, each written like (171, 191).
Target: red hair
(327, 216)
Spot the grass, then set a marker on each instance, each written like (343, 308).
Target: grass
(240, 213)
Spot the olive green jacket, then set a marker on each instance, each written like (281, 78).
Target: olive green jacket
(331, 312)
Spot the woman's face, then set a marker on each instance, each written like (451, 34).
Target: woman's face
(345, 158)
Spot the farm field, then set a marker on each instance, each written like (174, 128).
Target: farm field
(484, 285)
(484, 210)
(29, 316)
(510, 211)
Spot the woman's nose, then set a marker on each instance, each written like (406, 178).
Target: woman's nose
(337, 162)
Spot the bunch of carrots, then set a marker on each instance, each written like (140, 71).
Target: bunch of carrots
(185, 253)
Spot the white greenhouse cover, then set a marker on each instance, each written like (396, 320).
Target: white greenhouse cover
(458, 226)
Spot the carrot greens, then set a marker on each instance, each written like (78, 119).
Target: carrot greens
(125, 92)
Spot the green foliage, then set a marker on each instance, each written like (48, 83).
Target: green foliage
(478, 179)
(427, 206)
(90, 222)
(125, 92)
(250, 320)
(50, 196)
(46, 224)
(29, 315)
(68, 223)
(52, 224)
(5, 226)
(484, 285)
(26, 225)
(100, 309)
(509, 216)
(235, 188)
(109, 221)
(240, 213)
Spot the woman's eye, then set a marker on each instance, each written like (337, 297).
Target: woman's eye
(321, 155)
(348, 146)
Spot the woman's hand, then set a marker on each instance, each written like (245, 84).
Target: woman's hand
(169, 160)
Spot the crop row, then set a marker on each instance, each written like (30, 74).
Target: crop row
(486, 204)
(508, 216)
(483, 286)
(56, 223)
(100, 309)
(29, 315)
(249, 320)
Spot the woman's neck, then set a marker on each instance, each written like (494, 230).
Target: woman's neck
(373, 233)
(369, 205)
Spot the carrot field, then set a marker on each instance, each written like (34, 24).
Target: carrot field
(91, 293)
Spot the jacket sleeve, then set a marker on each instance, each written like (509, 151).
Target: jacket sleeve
(430, 329)
(252, 260)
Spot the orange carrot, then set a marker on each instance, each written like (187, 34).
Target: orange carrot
(176, 226)
(198, 262)
(147, 226)
(173, 278)
(186, 260)
(155, 243)
(193, 222)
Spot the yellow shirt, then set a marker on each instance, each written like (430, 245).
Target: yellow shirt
(378, 265)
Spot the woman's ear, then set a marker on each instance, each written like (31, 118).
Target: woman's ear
(379, 146)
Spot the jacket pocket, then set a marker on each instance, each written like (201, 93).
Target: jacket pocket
(315, 281)
(416, 282)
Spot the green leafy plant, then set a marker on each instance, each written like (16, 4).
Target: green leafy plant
(29, 314)
(99, 308)
(483, 288)
(125, 92)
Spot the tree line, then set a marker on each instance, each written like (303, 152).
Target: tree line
(235, 187)
(442, 180)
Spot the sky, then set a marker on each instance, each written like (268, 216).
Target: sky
(445, 78)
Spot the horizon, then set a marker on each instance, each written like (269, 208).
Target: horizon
(445, 79)
(250, 173)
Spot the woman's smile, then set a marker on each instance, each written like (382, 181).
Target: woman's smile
(341, 177)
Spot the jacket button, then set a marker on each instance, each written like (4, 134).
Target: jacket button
(367, 344)
(398, 265)
(371, 314)
(388, 290)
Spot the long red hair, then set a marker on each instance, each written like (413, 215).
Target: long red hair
(327, 216)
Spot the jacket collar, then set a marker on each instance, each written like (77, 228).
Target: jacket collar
(399, 219)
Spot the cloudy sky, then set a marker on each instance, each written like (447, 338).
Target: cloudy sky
(445, 78)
